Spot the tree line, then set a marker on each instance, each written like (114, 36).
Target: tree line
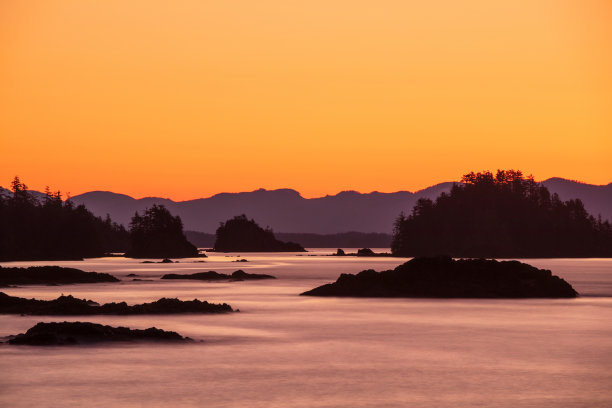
(49, 228)
(502, 215)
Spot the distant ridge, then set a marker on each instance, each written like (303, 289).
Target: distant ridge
(286, 211)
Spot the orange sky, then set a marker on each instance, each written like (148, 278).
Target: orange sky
(185, 99)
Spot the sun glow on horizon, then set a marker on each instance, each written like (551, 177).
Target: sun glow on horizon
(190, 99)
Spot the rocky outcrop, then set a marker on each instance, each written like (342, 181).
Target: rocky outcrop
(443, 277)
(50, 275)
(68, 305)
(361, 252)
(239, 275)
(70, 333)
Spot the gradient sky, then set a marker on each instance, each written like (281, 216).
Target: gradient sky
(185, 99)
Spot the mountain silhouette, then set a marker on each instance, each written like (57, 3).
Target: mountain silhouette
(286, 211)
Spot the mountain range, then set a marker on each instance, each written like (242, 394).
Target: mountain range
(285, 210)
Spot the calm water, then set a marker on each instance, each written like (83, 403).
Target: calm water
(283, 350)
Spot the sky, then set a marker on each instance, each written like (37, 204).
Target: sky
(186, 99)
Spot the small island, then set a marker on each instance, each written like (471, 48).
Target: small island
(69, 305)
(72, 333)
(443, 277)
(159, 234)
(239, 275)
(239, 234)
(50, 275)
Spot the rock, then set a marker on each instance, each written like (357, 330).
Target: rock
(166, 260)
(68, 305)
(443, 277)
(340, 252)
(365, 252)
(70, 333)
(239, 275)
(50, 275)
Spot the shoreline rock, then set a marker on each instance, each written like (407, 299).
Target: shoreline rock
(69, 305)
(239, 275)
(443, 277)
(73, 333)
(50, 275)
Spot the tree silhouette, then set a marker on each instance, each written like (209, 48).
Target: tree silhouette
(500, 215)
(159, 234)
(241, 234)
(52, 229)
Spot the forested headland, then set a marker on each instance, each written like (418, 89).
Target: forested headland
(502, 215)
(48, 228)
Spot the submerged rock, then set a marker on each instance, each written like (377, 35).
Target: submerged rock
(239, 275)
(68, 305)
(69, 333)
(443, 277)
(37, 275)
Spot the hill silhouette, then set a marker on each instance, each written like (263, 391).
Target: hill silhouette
(505, 215)
(343, 212)
(239, 234)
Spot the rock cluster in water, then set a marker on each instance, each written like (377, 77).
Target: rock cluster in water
(69, 333)
(360, 252)
(69, 305)
(50, 275)
(239, 275)
(443, 277)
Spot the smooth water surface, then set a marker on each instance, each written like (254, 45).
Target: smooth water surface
(285, 350)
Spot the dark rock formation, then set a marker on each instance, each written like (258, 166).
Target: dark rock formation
(239, 275)
(241, 234)
(68, 305)
(50, 275)
(443, 277)
(159, 234)
(70, 333)
(361, 252)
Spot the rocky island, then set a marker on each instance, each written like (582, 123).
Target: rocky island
(50, 275)
(239, 275)
(158, 234)
(363, 252)
(69, 305)
(443, 277)
(71, 333)
(239, 234)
